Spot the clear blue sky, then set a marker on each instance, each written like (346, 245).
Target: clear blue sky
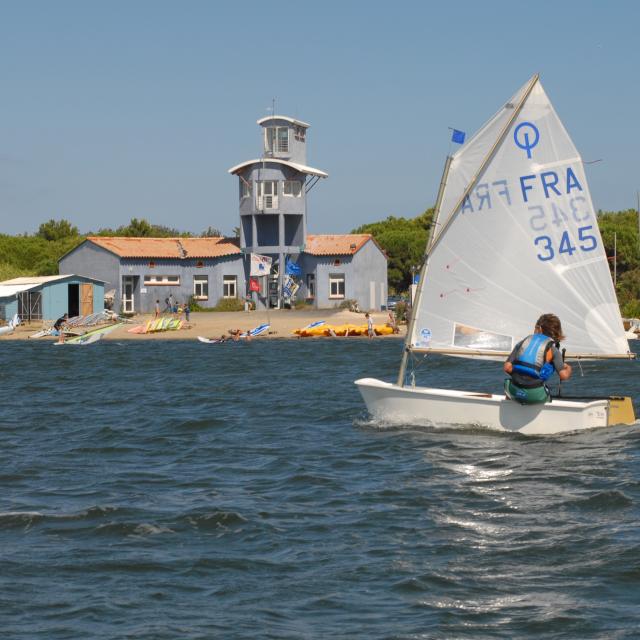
(113, 110)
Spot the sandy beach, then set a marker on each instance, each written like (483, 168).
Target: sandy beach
(213, 324)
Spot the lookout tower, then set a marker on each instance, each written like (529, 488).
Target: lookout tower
(272, 191)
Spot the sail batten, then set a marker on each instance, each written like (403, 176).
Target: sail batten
(516, 235)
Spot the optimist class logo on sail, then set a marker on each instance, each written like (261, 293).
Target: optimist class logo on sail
(559, 213)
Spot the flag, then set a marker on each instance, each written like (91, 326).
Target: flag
(254, 285)
(292, 268)
(458, 136)
(260, 265)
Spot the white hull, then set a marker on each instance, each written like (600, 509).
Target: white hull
(423, 406)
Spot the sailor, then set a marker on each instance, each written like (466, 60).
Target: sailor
(59, 326)
(534, 360)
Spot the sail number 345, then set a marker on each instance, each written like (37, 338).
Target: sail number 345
(585, 242)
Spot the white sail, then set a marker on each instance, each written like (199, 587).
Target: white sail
(524, 241)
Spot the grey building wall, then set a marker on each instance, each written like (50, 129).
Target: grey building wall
(97, 262)
(365, 277)
(88, 259)
(215, 269)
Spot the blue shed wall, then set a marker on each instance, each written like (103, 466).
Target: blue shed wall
(10, 307)
(55, 296)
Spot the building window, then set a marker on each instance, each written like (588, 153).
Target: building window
(201, 287)
(267, 194)
(300, 133)
(229, 288)
(154, 280)
(245, 189)
(311, 285)
(292, 188)
(276, 139)
(336, 285)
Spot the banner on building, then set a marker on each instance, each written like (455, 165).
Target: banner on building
(260, 265)
(254, 285)
(289, 287)
(292, 268)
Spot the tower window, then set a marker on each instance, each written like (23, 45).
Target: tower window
(292, 188)
(245, 188)
(276, 139)
(267, 194)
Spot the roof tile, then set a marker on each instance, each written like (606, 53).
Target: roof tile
(167, 247)
(332, 245)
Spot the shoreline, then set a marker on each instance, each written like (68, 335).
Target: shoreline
(213, 324)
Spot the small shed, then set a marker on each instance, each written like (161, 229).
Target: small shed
(37, 298)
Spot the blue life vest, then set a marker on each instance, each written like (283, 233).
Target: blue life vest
(531, 358)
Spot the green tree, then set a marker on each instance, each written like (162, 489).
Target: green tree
(56, 230)
(211, 232)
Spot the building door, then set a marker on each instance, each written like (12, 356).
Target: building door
(30, 306)
(35, 305)
(86, 299)
(128, 288)
(73, 304)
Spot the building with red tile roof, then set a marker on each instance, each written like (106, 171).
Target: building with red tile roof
(275, 260)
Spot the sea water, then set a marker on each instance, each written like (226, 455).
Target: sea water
(181, 490)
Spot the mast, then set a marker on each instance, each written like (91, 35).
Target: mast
(423, 270)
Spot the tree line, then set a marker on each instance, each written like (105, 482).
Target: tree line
(38, 254)
(403, 239)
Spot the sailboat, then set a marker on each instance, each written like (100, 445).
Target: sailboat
(514, 235)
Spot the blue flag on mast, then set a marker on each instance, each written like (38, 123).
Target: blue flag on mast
(457, 136)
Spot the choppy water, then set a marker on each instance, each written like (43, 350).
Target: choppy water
(180, 490)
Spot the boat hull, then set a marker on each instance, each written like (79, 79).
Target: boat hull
(424, 406)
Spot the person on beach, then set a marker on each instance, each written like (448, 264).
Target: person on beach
(59, 326)
(187, 312)
(370, 330)
(534, 360)
(167, 305)
(392, 322)
(157, 308)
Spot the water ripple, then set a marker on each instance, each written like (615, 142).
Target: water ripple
(172, 491)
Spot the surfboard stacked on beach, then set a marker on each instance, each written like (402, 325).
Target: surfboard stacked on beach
(158, 325)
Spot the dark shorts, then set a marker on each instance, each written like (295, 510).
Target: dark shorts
(537, 395)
